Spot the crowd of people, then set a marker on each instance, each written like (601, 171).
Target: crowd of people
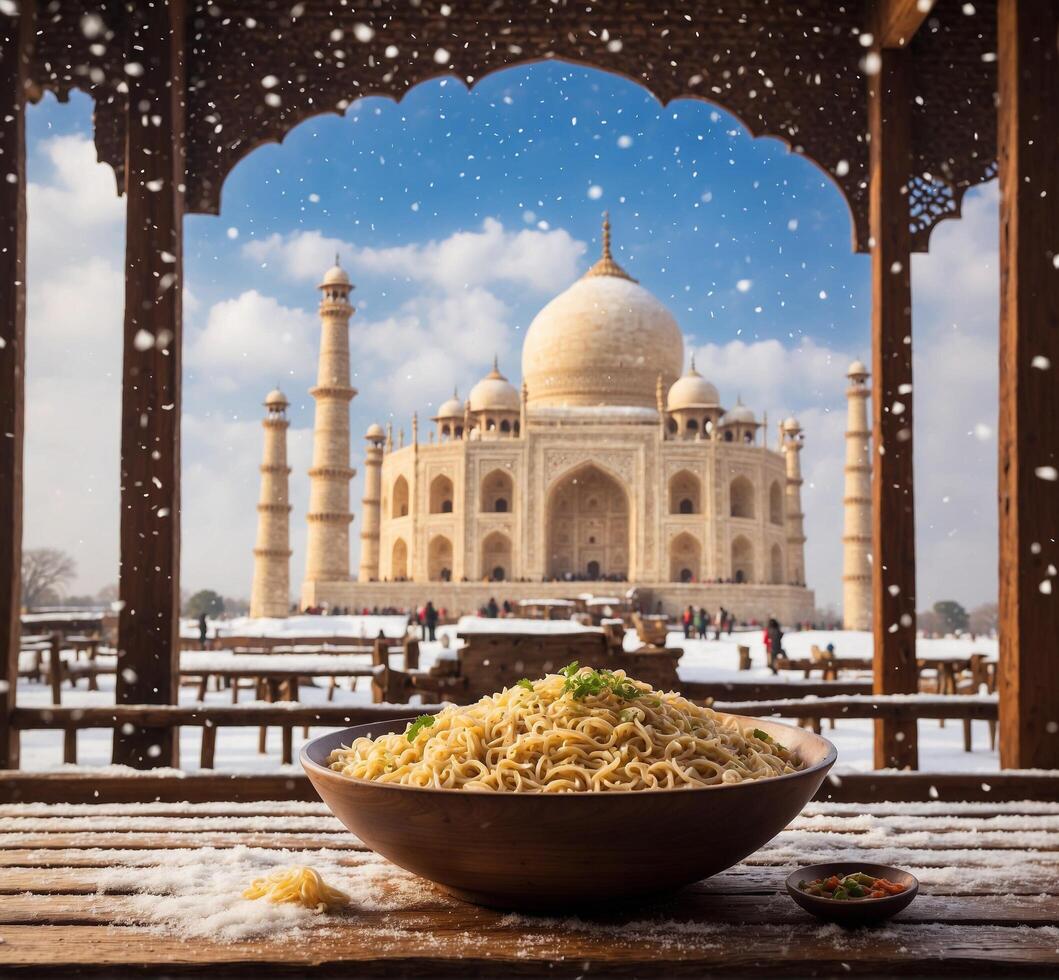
(698, 622)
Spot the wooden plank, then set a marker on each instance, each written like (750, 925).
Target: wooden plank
(18, 787)
(895, 22)
(434, 947)
(741, 880)
(993, 787)
(16, 35)
(774, 908)
(149, 578)
(1028, 156)
(49, 859)
(214, 715)
(941, 707)
(769, 690)
(1010, 842)
(340, 840)
(893, 501)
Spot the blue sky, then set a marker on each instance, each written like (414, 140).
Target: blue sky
(459, 214)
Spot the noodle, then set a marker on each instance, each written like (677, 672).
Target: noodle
(576, 731)
(299, 884)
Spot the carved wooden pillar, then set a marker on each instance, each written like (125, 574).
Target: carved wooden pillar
(15, 39)
(1028, 155)
(148, 628)
(893, 502)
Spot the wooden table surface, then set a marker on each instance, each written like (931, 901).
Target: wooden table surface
(147, 888)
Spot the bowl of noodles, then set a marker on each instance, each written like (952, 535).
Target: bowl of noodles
(580, 788)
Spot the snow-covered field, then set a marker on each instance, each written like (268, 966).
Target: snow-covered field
(941, 749)
(365, 627)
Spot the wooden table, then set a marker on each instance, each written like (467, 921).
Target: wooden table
(79, 887)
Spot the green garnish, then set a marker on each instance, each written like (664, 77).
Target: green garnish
(592, 683)
(526, 683)
(423, 721)
(766, 737)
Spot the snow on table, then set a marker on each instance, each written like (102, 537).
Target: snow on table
(219, 661)
(483, 624)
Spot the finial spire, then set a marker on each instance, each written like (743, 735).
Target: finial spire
(606, 266)
(693, 362)
(336, 259)
(496, 361)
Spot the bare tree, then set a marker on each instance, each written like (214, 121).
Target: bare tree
(45, 572)
(985, 618)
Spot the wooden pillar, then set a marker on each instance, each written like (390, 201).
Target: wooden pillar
(893, 501)
(15, 38)
(1028, 155)
(149, 621)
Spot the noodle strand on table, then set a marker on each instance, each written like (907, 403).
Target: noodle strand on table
(569, 732)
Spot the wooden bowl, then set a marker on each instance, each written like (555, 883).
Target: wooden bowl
(548, 851)
(858, 911)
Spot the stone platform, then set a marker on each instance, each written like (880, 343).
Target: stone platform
(788, 603)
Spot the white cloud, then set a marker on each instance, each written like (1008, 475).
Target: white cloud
(250, 340)
(955, 326)
(542, 260)
(73, 358)
(414, 359)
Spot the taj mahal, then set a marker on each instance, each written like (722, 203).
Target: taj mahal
(611, 463)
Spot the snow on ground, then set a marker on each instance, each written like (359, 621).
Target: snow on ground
(941, 749)
(366, 627)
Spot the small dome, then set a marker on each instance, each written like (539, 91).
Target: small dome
(741, 414)
(494, 393)
(791, 424)
(692, 390)
(857, 368)
(451, 409)
(335, 276)
(374, 432)
(276, 399)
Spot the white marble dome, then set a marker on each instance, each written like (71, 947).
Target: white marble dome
(857, 369)
(374, 432)
(604, 341)
(692, 390)
(335, 276)
(276, 399)
(494, 393)
(451, 409)
(740, 414)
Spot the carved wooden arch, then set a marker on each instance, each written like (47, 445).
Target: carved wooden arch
(792, 71)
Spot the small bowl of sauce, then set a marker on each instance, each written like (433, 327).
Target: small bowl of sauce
(852, 892)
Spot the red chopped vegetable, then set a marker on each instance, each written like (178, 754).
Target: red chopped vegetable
(852, 887)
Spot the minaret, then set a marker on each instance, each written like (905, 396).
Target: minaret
(371, 505)
(327, 553)
(270, 592)
(792, 450)
(856, 536)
